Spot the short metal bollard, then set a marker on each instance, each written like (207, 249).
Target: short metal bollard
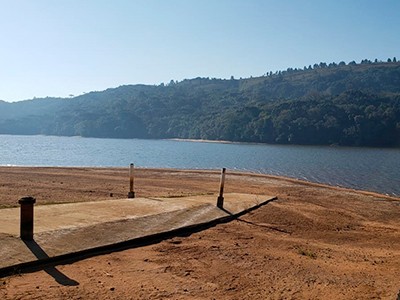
(26, 218)
(131, 193)
(220, 199)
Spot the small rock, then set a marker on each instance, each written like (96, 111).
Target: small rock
(112, 289)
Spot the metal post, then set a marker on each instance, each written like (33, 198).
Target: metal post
(131, 193)
(26, 218)
(220, 199)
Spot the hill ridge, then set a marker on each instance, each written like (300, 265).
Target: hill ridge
(342, 104)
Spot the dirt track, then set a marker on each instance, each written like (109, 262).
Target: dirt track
(314, 242)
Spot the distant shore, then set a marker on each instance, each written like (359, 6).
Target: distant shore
(202, 141)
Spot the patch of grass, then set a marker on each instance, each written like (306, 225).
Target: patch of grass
(307, 253)
(8, 206)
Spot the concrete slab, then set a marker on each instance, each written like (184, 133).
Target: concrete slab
(68, 229)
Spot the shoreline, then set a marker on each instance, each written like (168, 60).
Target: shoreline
(65, 170)
(205, 141)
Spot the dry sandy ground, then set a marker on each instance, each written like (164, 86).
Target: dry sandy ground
(314, 242)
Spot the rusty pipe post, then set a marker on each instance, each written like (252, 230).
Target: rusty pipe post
(26, 218)
(220, 199)
(131, 193)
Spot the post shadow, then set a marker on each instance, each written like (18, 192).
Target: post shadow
(236, 216)
(51, 270)
(265, 226)
(226, 211)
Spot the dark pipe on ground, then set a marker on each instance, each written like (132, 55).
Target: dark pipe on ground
(26, 218)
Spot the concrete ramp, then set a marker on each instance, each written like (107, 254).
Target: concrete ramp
(65, 232)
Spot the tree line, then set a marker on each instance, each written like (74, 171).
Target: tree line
(341, 104)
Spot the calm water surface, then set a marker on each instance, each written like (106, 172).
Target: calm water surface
(360, 168)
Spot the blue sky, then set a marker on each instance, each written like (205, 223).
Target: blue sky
(70, 47)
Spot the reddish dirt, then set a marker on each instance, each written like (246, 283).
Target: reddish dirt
(314, 242)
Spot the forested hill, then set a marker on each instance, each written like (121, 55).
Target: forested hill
(342, 104)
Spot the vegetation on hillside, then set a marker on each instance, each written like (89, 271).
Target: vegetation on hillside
(341, 104)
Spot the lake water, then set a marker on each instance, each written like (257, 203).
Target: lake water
(360, 168)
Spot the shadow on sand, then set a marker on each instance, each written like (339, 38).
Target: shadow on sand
(51, 270)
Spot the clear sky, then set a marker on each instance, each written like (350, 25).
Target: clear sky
(70, 47)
